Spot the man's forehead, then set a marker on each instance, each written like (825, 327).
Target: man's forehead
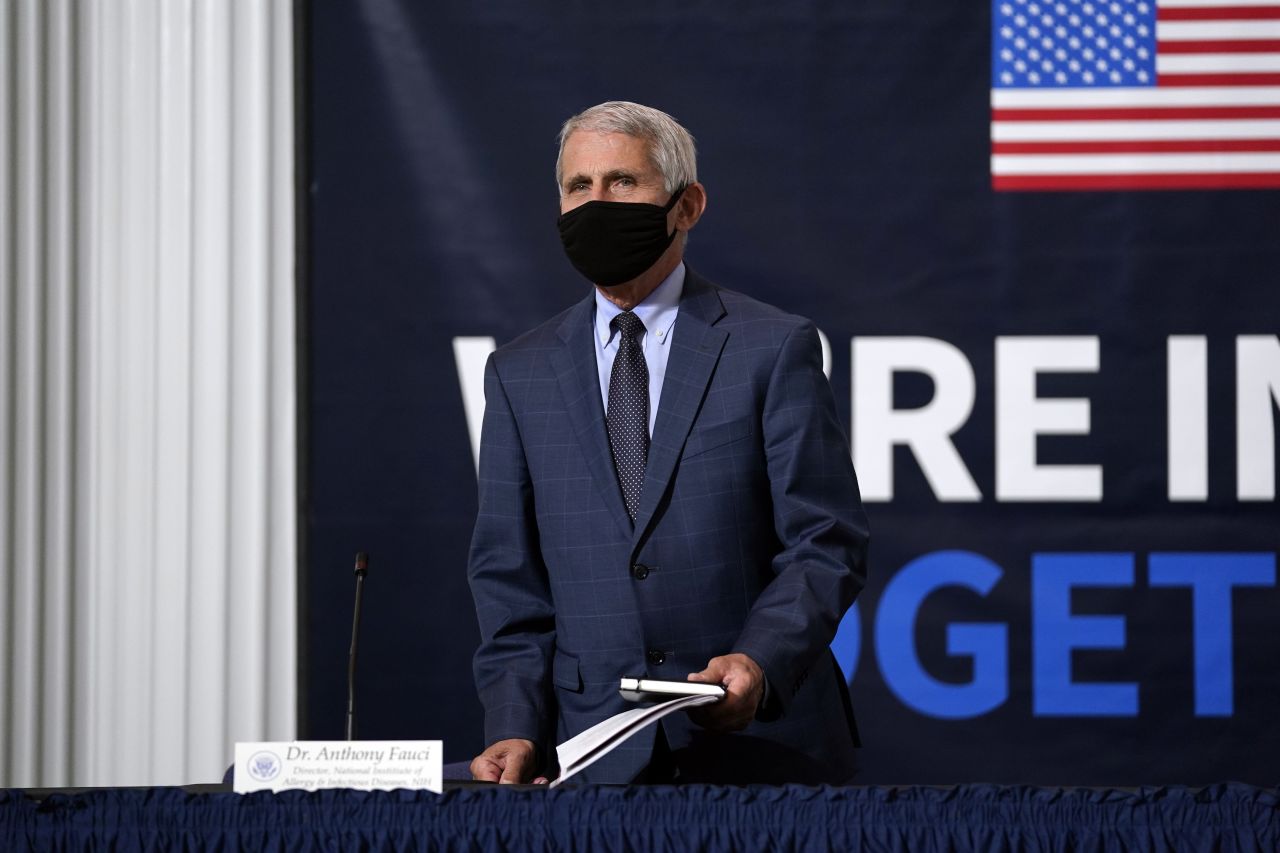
(595, 152)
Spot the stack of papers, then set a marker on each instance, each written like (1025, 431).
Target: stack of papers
(580, 752)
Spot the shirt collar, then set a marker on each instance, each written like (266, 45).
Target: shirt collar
(657, 311)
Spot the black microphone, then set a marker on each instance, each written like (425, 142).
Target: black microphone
(362, 569)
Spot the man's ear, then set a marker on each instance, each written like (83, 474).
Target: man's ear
(688, 210)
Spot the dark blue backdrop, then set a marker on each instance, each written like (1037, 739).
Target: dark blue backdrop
(845, 148)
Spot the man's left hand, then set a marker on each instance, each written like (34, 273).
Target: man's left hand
(743, 681)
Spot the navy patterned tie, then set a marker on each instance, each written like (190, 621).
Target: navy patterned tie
(628, 416)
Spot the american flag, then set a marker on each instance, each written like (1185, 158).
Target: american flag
(1135, 94)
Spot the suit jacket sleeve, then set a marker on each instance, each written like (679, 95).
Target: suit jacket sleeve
(818, 518)
(509, 582)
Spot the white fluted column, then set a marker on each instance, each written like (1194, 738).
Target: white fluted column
(147, 461)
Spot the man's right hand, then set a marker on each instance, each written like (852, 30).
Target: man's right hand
(507, 762)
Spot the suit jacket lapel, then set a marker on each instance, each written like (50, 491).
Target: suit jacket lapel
(579, 379)
(696, 345)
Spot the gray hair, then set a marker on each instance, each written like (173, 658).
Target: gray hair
(671, 147)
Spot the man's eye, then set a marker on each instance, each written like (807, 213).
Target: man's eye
(625, 182)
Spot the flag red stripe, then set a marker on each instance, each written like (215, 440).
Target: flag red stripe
(1219, 46)
(1131, 146)
(1206, 181)
(1133, 113)
(1220, 13)
(1268, 79)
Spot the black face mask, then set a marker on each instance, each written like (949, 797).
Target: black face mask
(612, 242)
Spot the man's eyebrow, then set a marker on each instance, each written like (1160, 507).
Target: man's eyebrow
(611, 175)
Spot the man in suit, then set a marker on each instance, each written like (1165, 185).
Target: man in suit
(665, 492)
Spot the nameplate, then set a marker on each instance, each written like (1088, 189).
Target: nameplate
(365, 765)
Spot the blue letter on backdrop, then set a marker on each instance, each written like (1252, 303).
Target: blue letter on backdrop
(1211, 578)
(1056, 632)
(848, 642)
(986, 642)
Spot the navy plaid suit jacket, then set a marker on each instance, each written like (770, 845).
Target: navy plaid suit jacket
(750, 527)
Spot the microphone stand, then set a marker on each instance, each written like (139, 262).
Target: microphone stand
(362, 569)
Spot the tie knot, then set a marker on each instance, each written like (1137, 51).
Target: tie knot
(628, 324)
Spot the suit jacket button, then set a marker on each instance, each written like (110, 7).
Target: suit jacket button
(639, 571)
(656, 657)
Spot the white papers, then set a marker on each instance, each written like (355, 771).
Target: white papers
(655, 690)
(580, 752)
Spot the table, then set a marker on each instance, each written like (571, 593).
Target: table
(1226, 817)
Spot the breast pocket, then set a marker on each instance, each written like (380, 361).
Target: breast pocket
(716, 436)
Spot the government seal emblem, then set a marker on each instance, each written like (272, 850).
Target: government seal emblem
(264, 766)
